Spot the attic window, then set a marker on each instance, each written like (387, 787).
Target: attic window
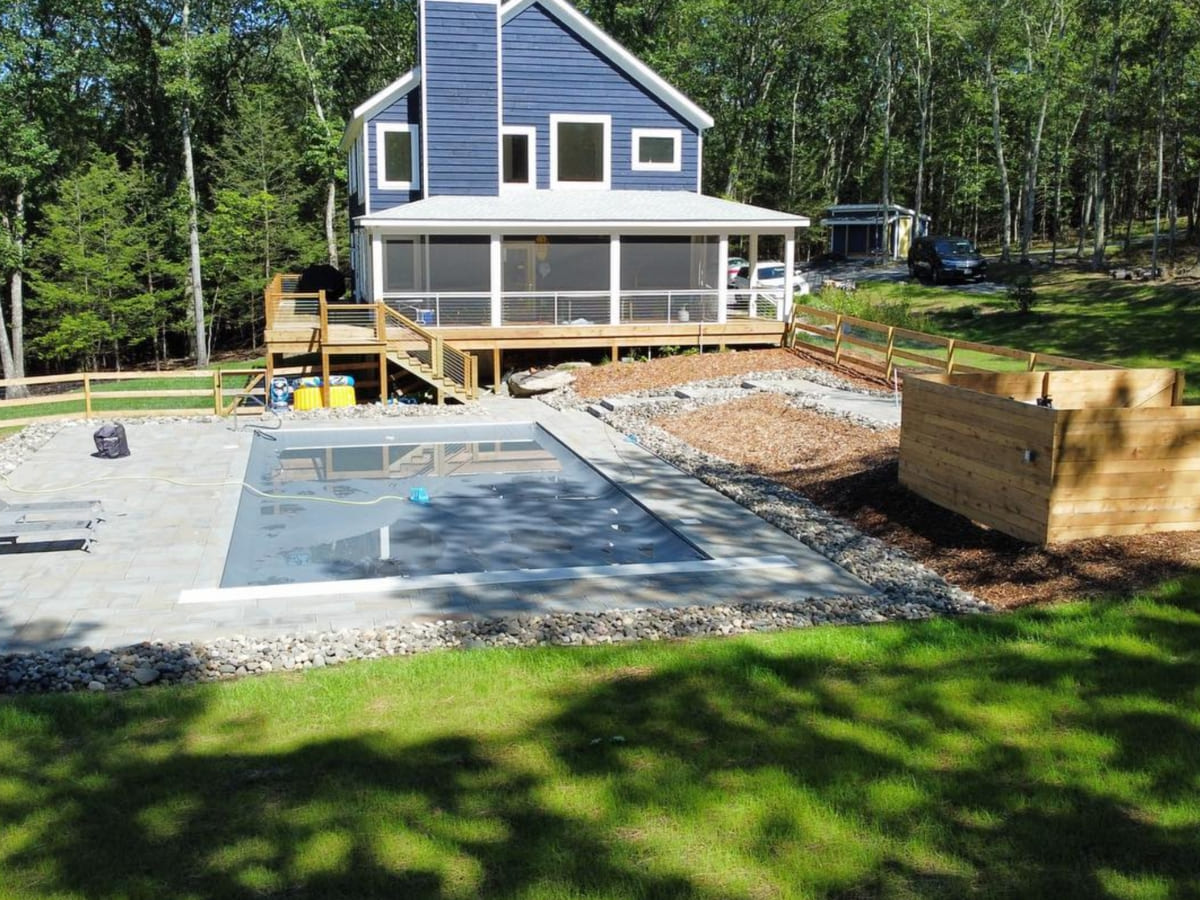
(517, 144)
(656, 150)
(397, 156)
(580, 148)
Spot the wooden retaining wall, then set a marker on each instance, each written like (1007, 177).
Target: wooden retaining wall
(1113, 454)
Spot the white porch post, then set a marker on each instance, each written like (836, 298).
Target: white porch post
(789, 278)
(376, 267)
(497, 279)
(752, 299)
(614, 281)
(723, 280)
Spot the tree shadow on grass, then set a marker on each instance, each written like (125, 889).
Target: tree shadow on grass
(992, 756)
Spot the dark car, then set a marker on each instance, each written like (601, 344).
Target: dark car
(939, 259)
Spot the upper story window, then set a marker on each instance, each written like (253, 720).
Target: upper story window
(398, 156)
(656, 150)
(518, 144)
(580, 150)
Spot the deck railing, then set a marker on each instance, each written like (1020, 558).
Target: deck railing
(889, 349)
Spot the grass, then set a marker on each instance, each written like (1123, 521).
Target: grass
(1049, 753)
(1083, 315)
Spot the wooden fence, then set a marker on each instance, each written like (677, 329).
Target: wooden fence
(90, 394)
(1055, 456)
(887, 349)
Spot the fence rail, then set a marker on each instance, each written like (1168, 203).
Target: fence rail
(891, 349)
(107, 394)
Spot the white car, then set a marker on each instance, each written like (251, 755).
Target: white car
(734, 266)
(766, 274)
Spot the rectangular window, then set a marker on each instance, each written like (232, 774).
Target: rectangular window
(580, 149)
(397, 154)
(518, 155)
(656, 150)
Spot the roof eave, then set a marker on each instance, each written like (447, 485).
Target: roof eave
(403, 85)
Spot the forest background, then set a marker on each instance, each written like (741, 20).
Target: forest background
(161, 159)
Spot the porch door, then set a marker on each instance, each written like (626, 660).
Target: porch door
(520, 262)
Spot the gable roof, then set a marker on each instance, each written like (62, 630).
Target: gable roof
(583, 28)
(405, 84)
(592, 35)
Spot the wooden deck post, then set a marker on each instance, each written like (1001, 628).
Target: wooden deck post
(383, 381)
(324, 363)
(496, 369)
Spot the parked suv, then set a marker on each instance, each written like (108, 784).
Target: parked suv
(939, 259)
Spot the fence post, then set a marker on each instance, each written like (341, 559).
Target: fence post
(891, 346)
(324, 311)
(950, 356)
(218, 400)
(87, 395)
(436, 354)
(837, 340)
(381, 321)
(1032, 361)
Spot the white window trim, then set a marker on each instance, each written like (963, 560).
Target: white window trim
(530, 131)
(414, 131)
(580, 118)
(675, 134)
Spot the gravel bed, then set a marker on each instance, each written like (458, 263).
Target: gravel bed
(906, 589)
(897, 576)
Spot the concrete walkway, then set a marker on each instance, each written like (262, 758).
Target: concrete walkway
(169, 510)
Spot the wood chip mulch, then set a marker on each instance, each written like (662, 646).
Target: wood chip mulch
(852, 472)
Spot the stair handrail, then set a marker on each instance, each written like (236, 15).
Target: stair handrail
(439, 349)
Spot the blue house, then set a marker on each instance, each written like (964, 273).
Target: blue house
(532, 184)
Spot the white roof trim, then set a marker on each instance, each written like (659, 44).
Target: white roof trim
(598, 39)
(394, 91)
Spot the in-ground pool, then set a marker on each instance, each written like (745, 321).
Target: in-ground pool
(412, 501)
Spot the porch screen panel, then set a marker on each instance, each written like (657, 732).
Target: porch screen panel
(668, 279)
(557, 279)
(460, 278)
(400, 265)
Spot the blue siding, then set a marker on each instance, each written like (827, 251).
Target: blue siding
(459, 71)
(547, 69)
(403, 109)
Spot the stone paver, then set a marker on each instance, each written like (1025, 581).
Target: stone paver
(168, 533)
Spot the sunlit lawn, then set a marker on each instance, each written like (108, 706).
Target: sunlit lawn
(1077, 314)
(1050, 753)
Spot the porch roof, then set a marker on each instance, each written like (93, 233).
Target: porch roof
(644, 212)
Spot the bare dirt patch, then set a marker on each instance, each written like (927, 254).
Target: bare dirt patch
(852, 472)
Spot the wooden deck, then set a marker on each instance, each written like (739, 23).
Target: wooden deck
(305, 325)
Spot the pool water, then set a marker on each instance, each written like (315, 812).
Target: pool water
(412, 501)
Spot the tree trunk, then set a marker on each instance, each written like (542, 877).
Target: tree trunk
(200, 337)
(331, 180)
(1031, 169)
(12, 344)
(1002, 169)
(1098, 245)
(1085, 214)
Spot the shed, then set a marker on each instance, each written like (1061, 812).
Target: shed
(869, 229)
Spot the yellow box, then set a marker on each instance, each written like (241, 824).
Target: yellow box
(340, 395)
(307, 398)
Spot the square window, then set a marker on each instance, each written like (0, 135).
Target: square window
(396, 156)
(579, 151)
(656, 149)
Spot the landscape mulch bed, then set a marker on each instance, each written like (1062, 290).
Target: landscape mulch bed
(852, 472)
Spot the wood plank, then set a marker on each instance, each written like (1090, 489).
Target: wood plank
(1130, 485)
(1067, 532)
(1147, 507)
(1077, 450)
(1033, 477)
(981, 511)
(73, 397)
(1177, 516)
(1071, 471)
(989, 440)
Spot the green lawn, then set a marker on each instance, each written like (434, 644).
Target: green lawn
(1081, 315)
(1050, 753)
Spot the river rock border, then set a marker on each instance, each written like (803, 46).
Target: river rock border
(907, 591)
